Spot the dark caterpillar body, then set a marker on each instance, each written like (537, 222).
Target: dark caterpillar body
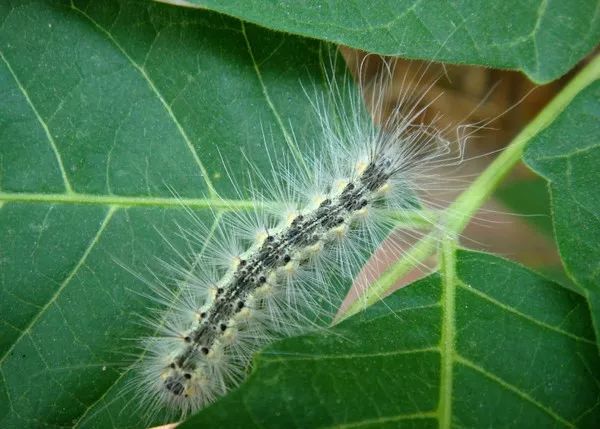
(275, 252)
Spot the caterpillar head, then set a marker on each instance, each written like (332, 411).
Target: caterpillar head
(186, 386)
(177, 380)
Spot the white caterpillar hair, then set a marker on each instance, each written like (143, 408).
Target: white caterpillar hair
(268, 272)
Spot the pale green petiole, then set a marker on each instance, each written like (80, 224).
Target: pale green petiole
(459, 213)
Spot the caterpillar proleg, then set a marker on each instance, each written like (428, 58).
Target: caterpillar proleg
(267, 272)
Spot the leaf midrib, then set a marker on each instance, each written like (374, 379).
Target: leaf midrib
(448, 332)
(126, 201)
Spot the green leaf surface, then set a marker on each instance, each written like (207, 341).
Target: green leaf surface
(529, 198)
(543, 38)
(523, 355)
(567, 154)
(107, 110)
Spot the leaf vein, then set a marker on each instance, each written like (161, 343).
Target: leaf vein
(155, 90)
(384, 419)
(523, 315)
(493, 377)
(64, 284)
(288, 138)
(43, 124)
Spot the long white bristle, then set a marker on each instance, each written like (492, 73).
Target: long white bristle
(266, 273)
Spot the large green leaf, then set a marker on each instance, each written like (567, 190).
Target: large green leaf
(523, 355)
(543, 38)
(108, 109)
(567, 154)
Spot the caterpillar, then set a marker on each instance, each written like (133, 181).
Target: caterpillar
(270, 271)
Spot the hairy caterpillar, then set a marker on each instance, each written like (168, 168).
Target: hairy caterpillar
(267, 272)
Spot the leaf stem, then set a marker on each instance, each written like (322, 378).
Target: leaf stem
(460, 212)
(464, 207)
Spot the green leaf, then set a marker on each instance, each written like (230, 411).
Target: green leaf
(567, 154)
(523, 355)
(528, 197)
(543, 38)
(108, 109)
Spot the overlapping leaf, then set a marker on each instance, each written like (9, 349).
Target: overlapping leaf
(542, 38)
